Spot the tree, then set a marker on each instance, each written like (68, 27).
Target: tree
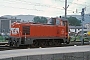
(37, 19)
(43, 20)
(73, 21)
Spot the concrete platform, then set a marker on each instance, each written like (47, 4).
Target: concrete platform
(56, 53)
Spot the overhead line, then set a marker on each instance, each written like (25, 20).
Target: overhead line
(37, 4)
(75, 3)
(20, 8)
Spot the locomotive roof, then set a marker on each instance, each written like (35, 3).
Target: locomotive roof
(62, 19)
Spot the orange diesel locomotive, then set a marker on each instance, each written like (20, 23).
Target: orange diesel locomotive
(53, 33)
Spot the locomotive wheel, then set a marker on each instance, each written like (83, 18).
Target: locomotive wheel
(35, 44)
(50, 43)
(56, 43)
(67, 42)
(43, 44)
(10, 44)
(14, 44)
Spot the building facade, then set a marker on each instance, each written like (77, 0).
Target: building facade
(5, 24)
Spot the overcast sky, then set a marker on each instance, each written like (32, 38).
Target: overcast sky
(47, 8)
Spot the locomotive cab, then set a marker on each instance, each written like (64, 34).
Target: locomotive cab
(57, 21)
(61, 22)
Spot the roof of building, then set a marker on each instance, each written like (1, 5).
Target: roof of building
(3, 18)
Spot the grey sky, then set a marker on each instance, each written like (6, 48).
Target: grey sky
(41, 7)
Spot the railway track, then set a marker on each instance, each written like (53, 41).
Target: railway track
(3, 43)
(6, 47)
(3, 47)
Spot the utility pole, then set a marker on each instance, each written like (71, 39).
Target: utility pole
(82, 15)
(66, 8)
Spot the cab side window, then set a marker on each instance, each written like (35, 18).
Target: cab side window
(57, 22)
